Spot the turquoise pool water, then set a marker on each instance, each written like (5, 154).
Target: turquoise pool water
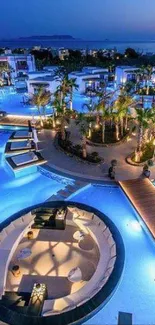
(12, 104)
(136, 291)
(12, 128)
(17, 194)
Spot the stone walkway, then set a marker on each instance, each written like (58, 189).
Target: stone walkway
(59, 161)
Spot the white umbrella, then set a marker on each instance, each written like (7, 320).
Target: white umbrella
(35, 138)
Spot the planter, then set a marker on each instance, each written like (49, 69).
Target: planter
(96, 144)
(136, 164)
(74, 155)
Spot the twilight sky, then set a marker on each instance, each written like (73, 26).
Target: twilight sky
(87, 19)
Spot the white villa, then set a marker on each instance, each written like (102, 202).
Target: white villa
(124, 74)
(21, 64)
(89, 79)
(47, 81)
(36, 74)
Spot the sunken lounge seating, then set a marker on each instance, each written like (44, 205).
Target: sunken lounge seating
(53, 256)
(50, 218)
(89, 224)
(9, 240)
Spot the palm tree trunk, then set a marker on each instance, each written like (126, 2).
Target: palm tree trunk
(126, 122)
(64, 107)
(63, 135)
(122, 125)
(146, 135)
(90, 130)
(139, 143)
(61, 99)
(97, 119)
(71, 100)
(40, 115)
(148, 87)
(103, 131)
(84, 147)
(117, 130)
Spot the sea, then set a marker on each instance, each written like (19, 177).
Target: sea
(141, 46)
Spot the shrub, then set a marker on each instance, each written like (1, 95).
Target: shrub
(94, 154)
(77, 148)
(150, 162)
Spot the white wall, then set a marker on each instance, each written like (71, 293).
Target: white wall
(52, 85)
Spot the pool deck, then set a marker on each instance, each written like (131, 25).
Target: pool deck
(141, 193)
(16, 121)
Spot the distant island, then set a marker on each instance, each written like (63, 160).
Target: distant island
(45, 37)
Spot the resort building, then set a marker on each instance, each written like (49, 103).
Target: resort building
(47, 81)
(89, 79)
(20, 64)
(103, 72)
(125, 74)
(20, 83)
(52, 68)
(37, 74)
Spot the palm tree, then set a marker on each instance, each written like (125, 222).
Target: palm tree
(143, 118)
(64, 89)
(149, 75)
(64, 115)
(84, 126)
(91, 107)
(72, 85)
(122, 105)
(40, 100)
(106, 115)
(152, 128)
(146, 72)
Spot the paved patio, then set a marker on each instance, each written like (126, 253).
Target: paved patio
(59, 161)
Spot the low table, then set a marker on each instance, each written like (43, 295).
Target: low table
(36, 302)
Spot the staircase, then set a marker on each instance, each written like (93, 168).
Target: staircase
(68, 191)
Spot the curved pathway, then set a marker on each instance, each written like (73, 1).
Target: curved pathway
(62, 163)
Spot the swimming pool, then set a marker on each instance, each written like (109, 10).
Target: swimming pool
(12, 103)
(16, 194)
(136, 291)
(12, 127)
(148, 100)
